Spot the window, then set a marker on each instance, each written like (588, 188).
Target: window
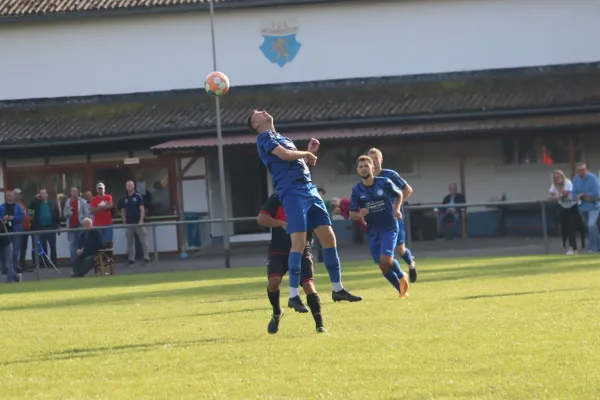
(399, 158)
(58, 184)
(547, 150)
(151, 182)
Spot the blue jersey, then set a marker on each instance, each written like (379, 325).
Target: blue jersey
(379, 199)
(394, 177)
(288, 176)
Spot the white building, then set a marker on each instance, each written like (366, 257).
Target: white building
(492, 94)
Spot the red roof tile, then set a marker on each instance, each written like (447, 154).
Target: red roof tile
(25, 8)
(336, 104)
(467, 127)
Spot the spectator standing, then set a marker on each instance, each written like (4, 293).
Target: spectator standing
(13, 216)
(90, 242)
(46, 216)
(26, 227)
(561, 192)
(102, 206)
(6, 256)
(133, 213)
(586, 190)
(75, 211)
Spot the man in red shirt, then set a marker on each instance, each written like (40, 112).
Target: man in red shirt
(101, 207)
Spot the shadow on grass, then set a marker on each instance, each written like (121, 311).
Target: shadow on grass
(356, 278)
(491, 296)
(207, 314)
(80, 353)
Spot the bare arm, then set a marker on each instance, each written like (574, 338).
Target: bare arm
(268, 221)
(407, 191)
(292, 155)
(123, 214)
(398, 204)
(142, 214)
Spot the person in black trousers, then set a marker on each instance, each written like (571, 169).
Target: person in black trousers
(90, 242)
(560, 191)
(46, 216)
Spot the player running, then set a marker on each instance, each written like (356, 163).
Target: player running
(401, 249)
(272, 216)
(379, 202)
(304, 209)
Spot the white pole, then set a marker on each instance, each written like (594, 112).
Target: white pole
(220, 147)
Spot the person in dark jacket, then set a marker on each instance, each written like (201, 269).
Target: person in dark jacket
(6, 255)
(46, 216)
(90, 242)
(452, 214)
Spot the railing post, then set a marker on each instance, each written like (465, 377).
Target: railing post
(154, 243)
(545, 228)
(36, 256)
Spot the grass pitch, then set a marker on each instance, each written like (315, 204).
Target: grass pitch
(498, 328)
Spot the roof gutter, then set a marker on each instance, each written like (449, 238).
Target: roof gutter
(154, 10)
(357, 122)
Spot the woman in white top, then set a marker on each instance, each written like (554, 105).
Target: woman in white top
(560, 191)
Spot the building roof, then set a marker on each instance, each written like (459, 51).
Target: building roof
(15, 10)
(332, 104)
(462, 127)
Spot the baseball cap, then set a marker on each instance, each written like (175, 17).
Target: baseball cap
(17, 191)
(100, 185)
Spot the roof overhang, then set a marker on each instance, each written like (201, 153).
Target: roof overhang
(457, 128)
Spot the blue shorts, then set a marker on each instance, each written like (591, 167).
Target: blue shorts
(383, 243)
(107, 235)
(305, 211)
(401, 233)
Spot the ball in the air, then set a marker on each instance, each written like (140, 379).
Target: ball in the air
(216, 84)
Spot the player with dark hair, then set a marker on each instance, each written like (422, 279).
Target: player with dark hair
(272, 215)
(304, 209)
(379, 202)
(401, 249)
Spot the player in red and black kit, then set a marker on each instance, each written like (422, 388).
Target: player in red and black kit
(272, 216)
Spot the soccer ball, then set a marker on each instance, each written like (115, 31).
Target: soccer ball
(216, 84)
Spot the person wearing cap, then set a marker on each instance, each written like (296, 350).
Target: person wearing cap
(102, 206)
(75, 211)
(26, 227)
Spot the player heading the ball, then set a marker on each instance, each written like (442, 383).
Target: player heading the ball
(304, 208)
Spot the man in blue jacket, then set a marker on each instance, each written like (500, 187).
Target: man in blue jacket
(13, 216)
(586, 189)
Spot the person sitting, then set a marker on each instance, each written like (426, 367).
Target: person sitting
(451, 215)
(90, 242)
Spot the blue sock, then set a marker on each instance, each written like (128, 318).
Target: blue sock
(294, 262)
(393, 279)
(332, 263)
(407, 257)
(397, 270)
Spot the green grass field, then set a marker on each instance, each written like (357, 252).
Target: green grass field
(498, 328)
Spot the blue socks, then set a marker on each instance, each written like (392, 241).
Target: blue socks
(397, 270)
(294, 262)
(407, 257)
(393, 279)
(332, 263)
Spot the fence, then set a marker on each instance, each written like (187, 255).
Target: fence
(503, 206)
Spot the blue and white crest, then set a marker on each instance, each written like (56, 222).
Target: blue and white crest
(379, 192)
(280, 45)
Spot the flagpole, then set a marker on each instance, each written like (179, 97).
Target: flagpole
(220, 146)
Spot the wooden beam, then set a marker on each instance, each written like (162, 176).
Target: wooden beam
(187, 166)
(461, 171)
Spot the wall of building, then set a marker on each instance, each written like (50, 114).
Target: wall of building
(321, 42)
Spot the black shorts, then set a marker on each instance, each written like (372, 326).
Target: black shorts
(277, 265)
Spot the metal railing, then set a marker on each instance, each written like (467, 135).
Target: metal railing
(154, 225)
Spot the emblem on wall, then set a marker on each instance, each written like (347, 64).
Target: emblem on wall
(280, 45)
